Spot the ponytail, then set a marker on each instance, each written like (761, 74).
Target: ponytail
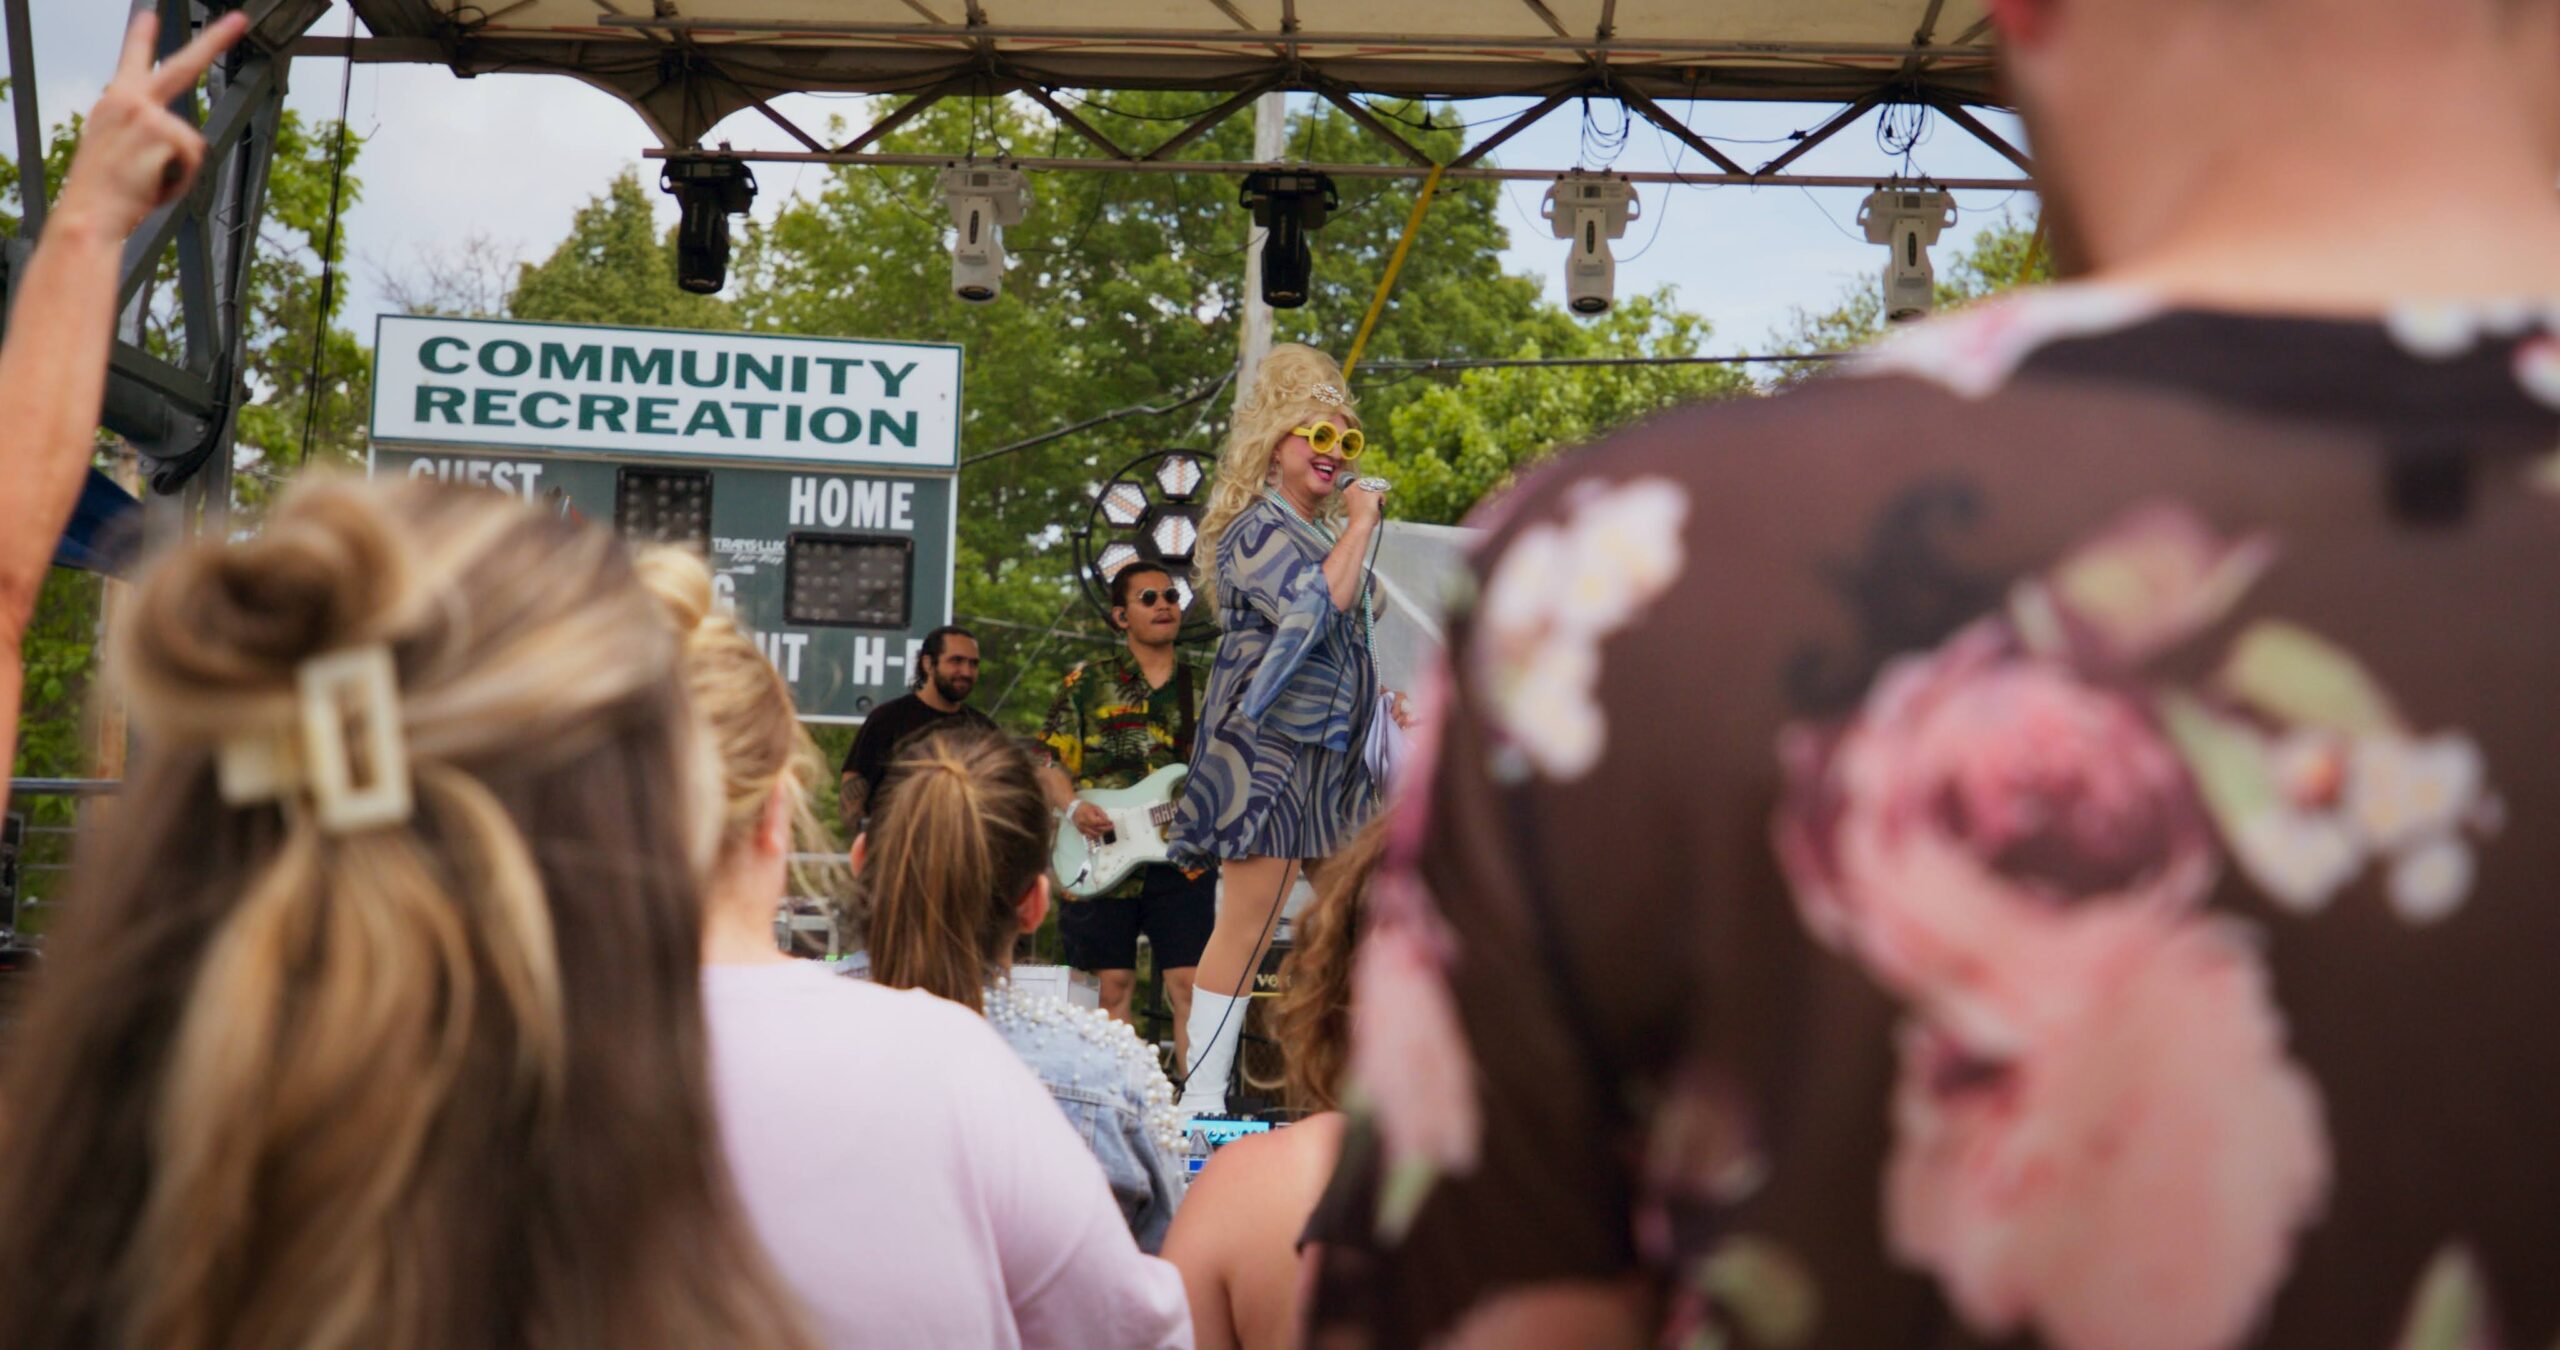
(962, 832)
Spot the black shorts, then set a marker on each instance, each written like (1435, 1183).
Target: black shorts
(1174, 911)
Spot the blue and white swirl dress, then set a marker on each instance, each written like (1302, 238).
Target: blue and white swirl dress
(1276, 766)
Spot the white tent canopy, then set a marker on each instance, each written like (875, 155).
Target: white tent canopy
(684, 65)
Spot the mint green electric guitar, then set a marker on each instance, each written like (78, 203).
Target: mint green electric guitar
(1138, 817)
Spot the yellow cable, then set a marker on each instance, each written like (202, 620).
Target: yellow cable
(1395, 264)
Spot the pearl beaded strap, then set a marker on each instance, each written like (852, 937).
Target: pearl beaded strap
(1008, 1007)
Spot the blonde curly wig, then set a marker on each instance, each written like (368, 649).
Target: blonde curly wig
(1294, 386)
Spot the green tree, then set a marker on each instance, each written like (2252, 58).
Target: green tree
(2002, 257)
(1454, 443)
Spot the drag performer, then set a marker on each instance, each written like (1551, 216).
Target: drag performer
(1278, 776)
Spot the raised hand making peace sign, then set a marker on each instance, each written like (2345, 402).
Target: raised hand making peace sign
(136, 155)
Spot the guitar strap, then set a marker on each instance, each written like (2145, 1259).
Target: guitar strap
(1182, 733)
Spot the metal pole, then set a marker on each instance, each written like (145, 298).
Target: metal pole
(1270, 140)
(22, 101)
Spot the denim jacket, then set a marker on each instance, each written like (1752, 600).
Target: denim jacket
(1108, 1083)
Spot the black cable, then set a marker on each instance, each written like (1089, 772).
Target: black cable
(1086, 100)
(1271, 920)
(1023, 666)
(1376, 109)
(1102, 202)
(1252, 967)
(1071, 428)
(1662, 204)
(1827, 217)
(328, 253)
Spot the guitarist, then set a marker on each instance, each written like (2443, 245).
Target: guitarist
(1115, 721)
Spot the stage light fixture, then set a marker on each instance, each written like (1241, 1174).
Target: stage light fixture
(1170, 534)
(1179, 476)
(664, 506)
(1907, 219)
(848, 580)
(708, 190)
(1288, 203)
(1147, 511)
(1115, 556)
(1590, 209)
(983, 200)
(1123, 502)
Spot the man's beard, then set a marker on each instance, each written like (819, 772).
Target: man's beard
(950, 694)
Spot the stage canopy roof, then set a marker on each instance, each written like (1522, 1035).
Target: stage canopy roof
(684, 65)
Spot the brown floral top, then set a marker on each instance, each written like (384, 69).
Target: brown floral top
(2052, 837)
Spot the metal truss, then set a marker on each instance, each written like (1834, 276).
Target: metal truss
(177, 409)
(684, 74)
(1763, 178)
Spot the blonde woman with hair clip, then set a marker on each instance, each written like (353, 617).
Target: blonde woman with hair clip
(374, 1018)
(906, 1173)
(1278, 774)
(1236, 1239)
(955, 872)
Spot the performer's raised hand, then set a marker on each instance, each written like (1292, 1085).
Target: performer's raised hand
(1362, 506)
(135, 155)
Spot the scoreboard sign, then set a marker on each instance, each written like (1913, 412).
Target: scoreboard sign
(816, 475)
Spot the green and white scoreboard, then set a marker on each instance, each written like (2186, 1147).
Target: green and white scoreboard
(816, 474)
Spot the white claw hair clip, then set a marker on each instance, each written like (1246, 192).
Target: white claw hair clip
(360, 685)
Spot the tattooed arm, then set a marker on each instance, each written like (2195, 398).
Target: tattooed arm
(852, 795)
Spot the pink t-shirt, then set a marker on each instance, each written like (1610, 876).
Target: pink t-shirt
(912, 1180)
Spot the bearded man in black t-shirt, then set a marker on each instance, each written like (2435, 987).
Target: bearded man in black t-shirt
(946, 670)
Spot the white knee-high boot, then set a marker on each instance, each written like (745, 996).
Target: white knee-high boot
(1213, 1051)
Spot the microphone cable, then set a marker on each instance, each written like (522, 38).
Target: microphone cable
(1297, 866)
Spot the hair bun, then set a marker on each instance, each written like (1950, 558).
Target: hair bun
(681, 582)
(214, 621)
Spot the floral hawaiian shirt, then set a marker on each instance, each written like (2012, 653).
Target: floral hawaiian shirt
(1109, 729)
(2050, 836)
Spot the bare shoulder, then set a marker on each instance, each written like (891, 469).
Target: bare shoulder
(1259, 1168)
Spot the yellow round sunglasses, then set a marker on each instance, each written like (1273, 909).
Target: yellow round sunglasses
(1327, 439)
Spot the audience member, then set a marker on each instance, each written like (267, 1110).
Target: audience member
(955, 870)
(1236, 1240)
(2050, 835)
(904, 1170)
(374, 1016)
(937, 696)
(135, 156)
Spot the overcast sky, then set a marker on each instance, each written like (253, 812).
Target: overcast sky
(512, 156)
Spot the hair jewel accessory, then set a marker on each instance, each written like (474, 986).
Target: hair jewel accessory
(1330, 395)
(356, 685)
